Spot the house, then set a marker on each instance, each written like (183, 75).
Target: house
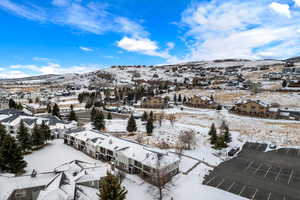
(154, 166)
(255, 108)
(76, 180)
(11, 119)
(36, 108)
(154, 102)
(202, 102)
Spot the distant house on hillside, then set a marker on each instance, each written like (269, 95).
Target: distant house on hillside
(154, 102)
(202, 102)
(255, 108)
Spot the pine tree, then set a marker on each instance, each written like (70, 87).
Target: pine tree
(37, 137)
(93, 114)
(109, 116)
(145, 116)
(184, 99)
(45, 131)
(11, 155)
(56, 111)
(151, 115)
(220, 143)
(3, 133)
(149, 126)
(213, 134)
(72, 115)
(49, 108)
(110, 188)
(212, 129)
(131, 125)
(12, 104)
(24, 137)
(99, 122)
(179, 98)
(175, 98)
(227, 135)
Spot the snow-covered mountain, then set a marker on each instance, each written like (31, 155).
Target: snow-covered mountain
(126, 74)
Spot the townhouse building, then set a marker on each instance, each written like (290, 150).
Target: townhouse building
(154, 166)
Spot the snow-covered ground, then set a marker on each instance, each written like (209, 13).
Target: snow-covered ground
(182, 186)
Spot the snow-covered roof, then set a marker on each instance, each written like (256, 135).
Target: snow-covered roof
(244, 101)
(60, 184)
(141, 153)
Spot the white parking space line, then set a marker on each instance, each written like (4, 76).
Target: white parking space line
(291, 175)
(278, 175)
(267, 172)
(242, 190)
(231, 186)
(257, 169)
(253, 196)
(248, 166)
(269, 196)
(211, 180)
(221, 182)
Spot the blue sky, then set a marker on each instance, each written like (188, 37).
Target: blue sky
(61, 36)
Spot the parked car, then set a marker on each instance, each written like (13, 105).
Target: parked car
(233, 151)
(272, 146)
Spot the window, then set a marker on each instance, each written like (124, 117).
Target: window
(20, 194)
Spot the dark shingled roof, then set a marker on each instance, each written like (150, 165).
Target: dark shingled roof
(13, 112)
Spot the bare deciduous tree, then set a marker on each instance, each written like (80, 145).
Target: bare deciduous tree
(187, 139)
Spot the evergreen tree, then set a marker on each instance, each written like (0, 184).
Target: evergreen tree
(175, 98)
(12, 104)
(3, 133)
(227, 135)
(56, 111)
(109, 116)
(110, 188)
(145, 116)
(151, 115)
(149, 126)
(24, 137)
(131, 125)
(49, 108)
(212, 129)
(179, 98)
(184, 99)
(19, 106)
(99, 122)
(72, 115)
(93, 114)
(11, 155)
(45, 131)
(220, 143)
(37, 137)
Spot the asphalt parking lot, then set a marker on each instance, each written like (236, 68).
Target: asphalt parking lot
(259, 175)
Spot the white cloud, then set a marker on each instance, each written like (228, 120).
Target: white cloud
(142, 44)
(13, 74)
(33, 13)
(130, 27)
(237, 29)
(282, 9)
(297, 2)
(50, 68)
(86, 49)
